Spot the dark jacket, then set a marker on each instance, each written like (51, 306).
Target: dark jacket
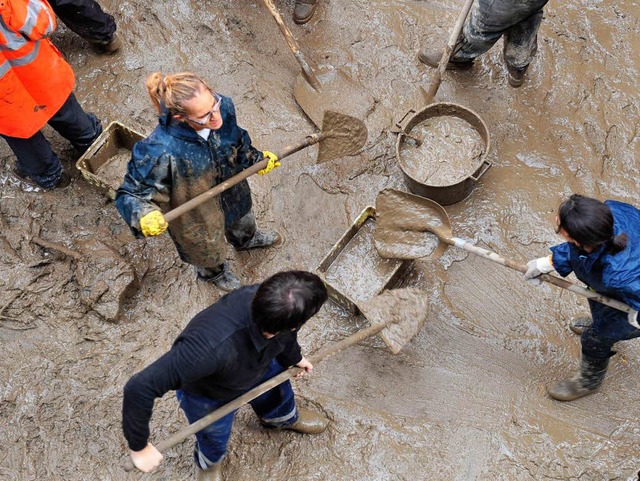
(618, 275)
(173, 165)
(221, 354)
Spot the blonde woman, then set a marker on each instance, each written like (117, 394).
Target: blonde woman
(196, 145)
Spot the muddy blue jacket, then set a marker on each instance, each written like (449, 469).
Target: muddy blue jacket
(173, 165)
(616, 276)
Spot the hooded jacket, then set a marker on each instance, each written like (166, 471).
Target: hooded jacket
(173, 165)
(614, 275)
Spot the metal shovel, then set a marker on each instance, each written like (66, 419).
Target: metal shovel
(327, 88)
(399, 313)
(341, 135)
(406, 218)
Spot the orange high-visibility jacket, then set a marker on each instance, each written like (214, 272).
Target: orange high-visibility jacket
(34, 78)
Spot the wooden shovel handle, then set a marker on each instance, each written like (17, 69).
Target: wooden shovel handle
(227, 184)
(228, 408)
(556, 281)
(446, 55)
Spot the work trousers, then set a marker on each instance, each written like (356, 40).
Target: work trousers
(517, 20)
(609, 326)
(276, 407)
(86, 18)
(35, 157)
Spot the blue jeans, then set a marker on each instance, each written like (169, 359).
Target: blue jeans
(517, 20)
(609, 326)
(276, 407)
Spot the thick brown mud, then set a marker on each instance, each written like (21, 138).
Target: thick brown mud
(465, 399)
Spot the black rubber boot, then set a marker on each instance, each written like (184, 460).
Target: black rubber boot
(580, 324)
(214, 473)
(515, 76)
(303, 10)
(587, 380)
(225, 280)
(110, 47)
(260, 239)
(432, 59)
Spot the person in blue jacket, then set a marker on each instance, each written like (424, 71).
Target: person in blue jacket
(603, 250)
(197, 145)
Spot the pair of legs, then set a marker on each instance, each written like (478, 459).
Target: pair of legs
(243, 234)
(609, 326)
(35, 157)
(275, 408)
(517, 21)
(87, 19)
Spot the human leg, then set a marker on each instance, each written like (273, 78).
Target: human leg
(36, 160)
(609, 326)
(74, 124)
(277, 407)
(520, 46)
(87, 19)
(243, 234)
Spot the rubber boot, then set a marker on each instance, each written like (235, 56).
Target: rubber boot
(64, 181)
(515, 76)
(432, 59)
(303, 10)
(587, 380)
(110, 47)
(260, 239)
(225, 280)
(580, 324)
(214, 473)
(308, 422)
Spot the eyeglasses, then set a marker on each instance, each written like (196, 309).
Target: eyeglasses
(204, 120)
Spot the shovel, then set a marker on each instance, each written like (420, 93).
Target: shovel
(325, 89)
(341, 135)
(405, 219)
(398, 314)
(104, 277)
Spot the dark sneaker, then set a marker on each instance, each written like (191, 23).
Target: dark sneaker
(580, 324)
(225, 280)
(432, 59)
(303, 11)
(515, 76)
(110, 47)
(261, 239)
(64, 181)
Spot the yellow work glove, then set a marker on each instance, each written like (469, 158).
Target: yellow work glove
(273, 162)
(153, 223)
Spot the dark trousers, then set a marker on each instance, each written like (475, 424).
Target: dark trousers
(517, 20)
(86, 18)
(35, 157)
(609, 326)
(276, 407)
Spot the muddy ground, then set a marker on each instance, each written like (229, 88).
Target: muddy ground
(465, 400)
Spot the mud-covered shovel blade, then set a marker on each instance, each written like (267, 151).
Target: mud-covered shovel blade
(405, 224)
(338, 92)
(403, 310)
(343, 135)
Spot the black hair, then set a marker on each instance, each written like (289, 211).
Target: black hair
(590, 223)
(286, 300)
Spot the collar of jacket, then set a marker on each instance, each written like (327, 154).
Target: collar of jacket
(259, 341)
(177, 129)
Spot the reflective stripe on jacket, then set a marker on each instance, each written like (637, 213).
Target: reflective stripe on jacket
(34, 78)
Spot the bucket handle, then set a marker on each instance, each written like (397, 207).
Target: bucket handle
(486, 165)
(402, 123)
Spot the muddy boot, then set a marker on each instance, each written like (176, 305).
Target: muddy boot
(109, 47)
(214, 473)
(432, 59)
(303, 11)
(225, 280)
(260, 239)
(515, 76)
(587, 380)
(308, 422)
(63, 181)
(580, 324)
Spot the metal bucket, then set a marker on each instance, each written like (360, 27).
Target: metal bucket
(460, 190)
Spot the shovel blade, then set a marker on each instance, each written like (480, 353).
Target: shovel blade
(338, 92)
(403, 310)
(345, 135)
(404, 225)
